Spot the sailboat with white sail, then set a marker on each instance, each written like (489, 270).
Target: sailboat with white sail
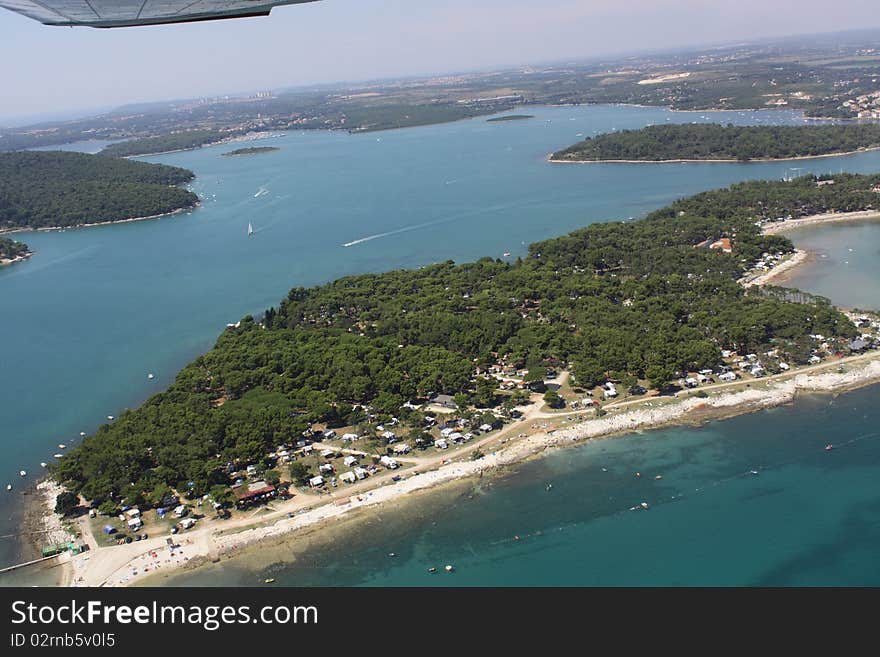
(250, 229)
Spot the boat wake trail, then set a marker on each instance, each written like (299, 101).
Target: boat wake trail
(405, 229)
(262, 191)
(437, 222)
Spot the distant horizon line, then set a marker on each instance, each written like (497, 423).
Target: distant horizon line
(12, 122)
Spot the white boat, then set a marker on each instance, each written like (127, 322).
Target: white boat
(449, 568)
(110, 417)
(61, 445)
(42, 464)
(250, 229)
(8, 486)
(57, 456)
(150, 376)
(82, 434)
(23, 473)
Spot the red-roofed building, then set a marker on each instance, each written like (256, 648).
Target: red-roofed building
(724, 244)
(254, 493)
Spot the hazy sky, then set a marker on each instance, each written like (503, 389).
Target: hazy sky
(46, 70)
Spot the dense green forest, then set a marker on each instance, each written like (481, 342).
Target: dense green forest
(711, 141)
(770, 199)
(611, 301)
(175, 141)
(253, 150)
(10, 249)
(40, 189)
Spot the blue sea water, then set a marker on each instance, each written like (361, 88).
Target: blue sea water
(97, 309)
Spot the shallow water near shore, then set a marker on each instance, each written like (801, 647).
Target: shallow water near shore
(97, 309)
(809, 517)
(845, 266)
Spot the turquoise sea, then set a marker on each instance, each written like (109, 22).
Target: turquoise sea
(97, 309)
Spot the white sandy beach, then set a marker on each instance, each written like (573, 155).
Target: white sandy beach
(827, 218)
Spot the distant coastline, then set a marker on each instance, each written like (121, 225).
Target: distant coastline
(9, 231)
(226, 140)
(553, 160)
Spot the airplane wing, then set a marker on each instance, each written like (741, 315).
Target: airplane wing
(127, 13)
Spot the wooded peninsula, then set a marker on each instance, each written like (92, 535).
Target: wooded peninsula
(711, 141)
(175, 141)
(43, 189)
(636, 303)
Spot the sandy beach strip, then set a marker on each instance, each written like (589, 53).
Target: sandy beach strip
(785, 267)
(801, 257)
(777, 227)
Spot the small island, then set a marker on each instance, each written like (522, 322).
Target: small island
(511, 117)
(713, 142)
(62, 189)
(252, 150)
(12, 251)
